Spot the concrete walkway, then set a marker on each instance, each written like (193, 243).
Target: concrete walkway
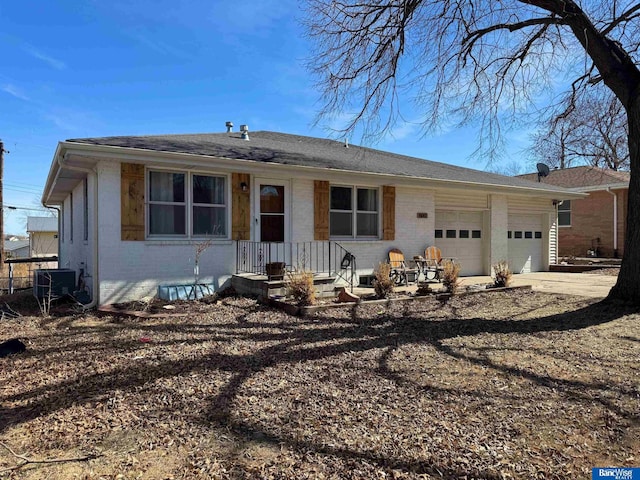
(583, 284)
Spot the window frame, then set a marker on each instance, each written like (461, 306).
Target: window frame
(355, 211)
(189, 205)
(566, 211)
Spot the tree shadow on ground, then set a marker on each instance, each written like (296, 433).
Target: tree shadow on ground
(291, 342)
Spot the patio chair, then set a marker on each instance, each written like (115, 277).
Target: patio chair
(433, 263)
(399, 270)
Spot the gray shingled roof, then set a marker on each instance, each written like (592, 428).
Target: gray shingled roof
(287, 149)
(581, 176)
(42, 224)
(12, 245)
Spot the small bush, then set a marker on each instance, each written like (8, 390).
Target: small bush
(300, 288)
(450, 273)
(383, 284)
(502, 274)
(423, 289)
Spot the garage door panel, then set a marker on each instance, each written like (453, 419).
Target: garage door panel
(525, 243)
(459, 235)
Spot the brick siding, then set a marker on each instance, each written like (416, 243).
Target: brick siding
(592, 225)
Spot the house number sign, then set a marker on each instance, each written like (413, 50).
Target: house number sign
(422, 215)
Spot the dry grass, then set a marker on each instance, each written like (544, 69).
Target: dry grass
(22, 273)
(493, 385)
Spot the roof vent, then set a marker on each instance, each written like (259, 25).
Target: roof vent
(244, 131)
(346, 143)
(229, 126)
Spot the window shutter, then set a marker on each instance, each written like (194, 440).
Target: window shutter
(388, 212)
(132, 201)
(240, 207)
(321, 210)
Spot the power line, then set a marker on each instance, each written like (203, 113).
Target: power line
(12, 207)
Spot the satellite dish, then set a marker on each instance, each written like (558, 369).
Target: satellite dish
(543, 170)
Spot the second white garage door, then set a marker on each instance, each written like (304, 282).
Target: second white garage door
(525, 243)
(459, 234)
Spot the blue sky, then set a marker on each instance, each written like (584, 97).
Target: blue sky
(96, 68)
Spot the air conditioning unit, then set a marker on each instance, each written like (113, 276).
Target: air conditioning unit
(54, 281)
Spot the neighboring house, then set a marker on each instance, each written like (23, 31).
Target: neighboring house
(135, 208)
(43, 236)
(14, 249)
(594, 225)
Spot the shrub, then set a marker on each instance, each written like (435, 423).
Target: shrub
(383, 284)
(450, 273)
(502, 274)
(423, 289)
(300, 287)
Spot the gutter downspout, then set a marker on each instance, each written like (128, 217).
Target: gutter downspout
(96, 289)
(615, 222)
(59, 228)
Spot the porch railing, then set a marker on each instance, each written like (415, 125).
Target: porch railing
(329, 258)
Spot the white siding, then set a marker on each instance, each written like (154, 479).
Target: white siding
(461, 199)
(553, 239)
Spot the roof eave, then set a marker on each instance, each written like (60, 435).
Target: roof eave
(595, 188)
(138, 155)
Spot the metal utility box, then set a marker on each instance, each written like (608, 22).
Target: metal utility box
(61, 281)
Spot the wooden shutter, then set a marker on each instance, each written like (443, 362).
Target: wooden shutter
(388, 213)
(321, 210)
(240, 207)
(132, 201)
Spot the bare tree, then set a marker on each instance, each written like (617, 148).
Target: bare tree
(462, 58)
(592, 130)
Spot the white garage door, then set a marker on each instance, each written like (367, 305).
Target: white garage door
(525, 243)
(459, 234)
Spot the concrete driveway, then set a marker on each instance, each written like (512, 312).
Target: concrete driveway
(584, 284)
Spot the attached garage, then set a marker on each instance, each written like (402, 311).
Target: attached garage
(525, 243)
(459, 234)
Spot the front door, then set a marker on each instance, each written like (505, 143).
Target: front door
(272, 212)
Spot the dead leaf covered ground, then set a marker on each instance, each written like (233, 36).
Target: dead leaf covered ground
(494, 385)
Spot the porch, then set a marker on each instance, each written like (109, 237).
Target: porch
(262, 267)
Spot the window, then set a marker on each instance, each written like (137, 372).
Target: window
(517, 234)
(173, 194)
(451, 234)
(564, 214)
(463, 234)
(209, 206)
(476, 234)
(509, 234)
(353, 212)
(438, 234)
(85, 206)
(538, 234)
(528, 234)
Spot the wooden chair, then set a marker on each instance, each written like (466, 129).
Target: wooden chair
(433, 263)
(399, 270)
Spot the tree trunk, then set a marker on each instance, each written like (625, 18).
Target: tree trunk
(627, 287)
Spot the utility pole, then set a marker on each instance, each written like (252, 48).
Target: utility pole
(1, 201)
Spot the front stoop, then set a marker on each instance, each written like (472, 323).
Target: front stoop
(261, 286)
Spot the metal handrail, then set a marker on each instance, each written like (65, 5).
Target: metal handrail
(329, 258)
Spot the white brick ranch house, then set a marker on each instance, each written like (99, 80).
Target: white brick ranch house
(133, 208)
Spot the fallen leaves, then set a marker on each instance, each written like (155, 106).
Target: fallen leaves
(493, 385)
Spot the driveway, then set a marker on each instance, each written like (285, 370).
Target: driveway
(583, 284)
